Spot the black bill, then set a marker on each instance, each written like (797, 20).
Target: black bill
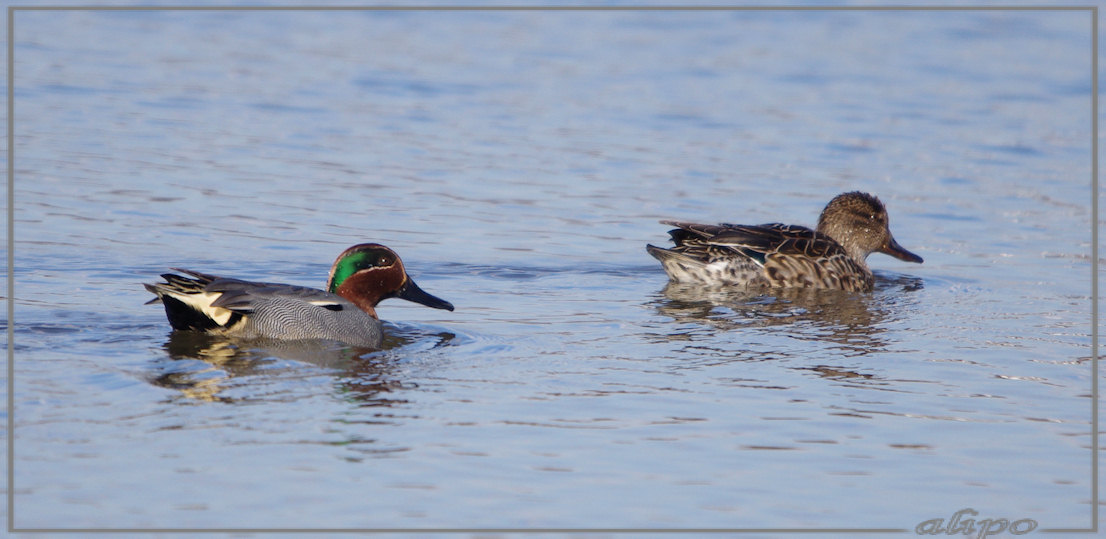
(894, 249)
(412, 292)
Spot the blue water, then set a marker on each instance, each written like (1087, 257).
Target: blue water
(519, 162)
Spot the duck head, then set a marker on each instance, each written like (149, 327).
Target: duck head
(369, 273)
(858, 222)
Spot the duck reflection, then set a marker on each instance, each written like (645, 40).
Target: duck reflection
(855, 322)
(363, 375)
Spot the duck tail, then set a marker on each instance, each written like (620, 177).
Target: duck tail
(187, 305)
(679, 266)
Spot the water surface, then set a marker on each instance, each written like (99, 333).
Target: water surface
(519, 162)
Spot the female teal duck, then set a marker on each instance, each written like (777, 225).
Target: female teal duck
(360, 278)
(852, 226)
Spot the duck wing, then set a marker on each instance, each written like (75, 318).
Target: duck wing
(755, 242)
(778, 239)
(208, 302)
(797, 256)
(247, 296)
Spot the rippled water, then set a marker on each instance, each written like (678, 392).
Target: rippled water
(519, 162)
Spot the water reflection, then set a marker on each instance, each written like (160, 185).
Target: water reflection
(856, 322)
(852, 377)
(363, 375)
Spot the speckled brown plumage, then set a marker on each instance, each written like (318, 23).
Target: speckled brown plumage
(852, 226)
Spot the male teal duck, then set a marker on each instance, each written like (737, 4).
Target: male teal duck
(833, 256)
(360, 278)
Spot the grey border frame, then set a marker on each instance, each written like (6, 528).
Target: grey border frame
(1092, 10)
